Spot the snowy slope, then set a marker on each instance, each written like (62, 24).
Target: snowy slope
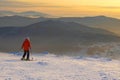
(51, 67)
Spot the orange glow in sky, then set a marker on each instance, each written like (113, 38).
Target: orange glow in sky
(65, 7)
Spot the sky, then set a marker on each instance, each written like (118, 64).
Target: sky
(76, 8)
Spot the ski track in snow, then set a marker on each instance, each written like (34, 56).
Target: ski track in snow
(51, 67)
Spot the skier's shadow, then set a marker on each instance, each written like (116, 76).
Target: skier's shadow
(42, 63)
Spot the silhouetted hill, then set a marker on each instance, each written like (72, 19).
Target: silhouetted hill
(33, 14)
(103, 22)
(53, 36)
(6, 13)
(24, 14)
(66, 27)
(18, 21)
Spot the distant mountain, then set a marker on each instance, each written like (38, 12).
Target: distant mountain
(103, 22)
(17, 21)
(57, 26)
(33, 14)
(53, 36)
(7, 13)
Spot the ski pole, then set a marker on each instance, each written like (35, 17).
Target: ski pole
(31, 54)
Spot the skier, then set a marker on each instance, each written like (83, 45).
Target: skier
(26, 46)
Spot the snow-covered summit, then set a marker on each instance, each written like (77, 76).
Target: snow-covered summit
(52, 67)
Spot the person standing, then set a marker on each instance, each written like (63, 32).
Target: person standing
(26, 46)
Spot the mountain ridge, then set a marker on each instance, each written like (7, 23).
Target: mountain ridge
(103, 22)
(33, 14)
(54, 36)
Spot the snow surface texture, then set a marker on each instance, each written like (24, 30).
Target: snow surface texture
(107, 50)
(52, 67)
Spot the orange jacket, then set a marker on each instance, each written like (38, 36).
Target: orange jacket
(26, 45)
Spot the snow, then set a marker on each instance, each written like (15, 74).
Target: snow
(52, 67)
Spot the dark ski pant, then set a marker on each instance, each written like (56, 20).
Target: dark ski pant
(26, 53)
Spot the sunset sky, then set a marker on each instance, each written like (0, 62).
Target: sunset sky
(65, 7)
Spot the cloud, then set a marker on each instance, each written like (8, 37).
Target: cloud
(107, 7)
(11, 3)
(110, 7)
(8, 3)
(18, 4)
